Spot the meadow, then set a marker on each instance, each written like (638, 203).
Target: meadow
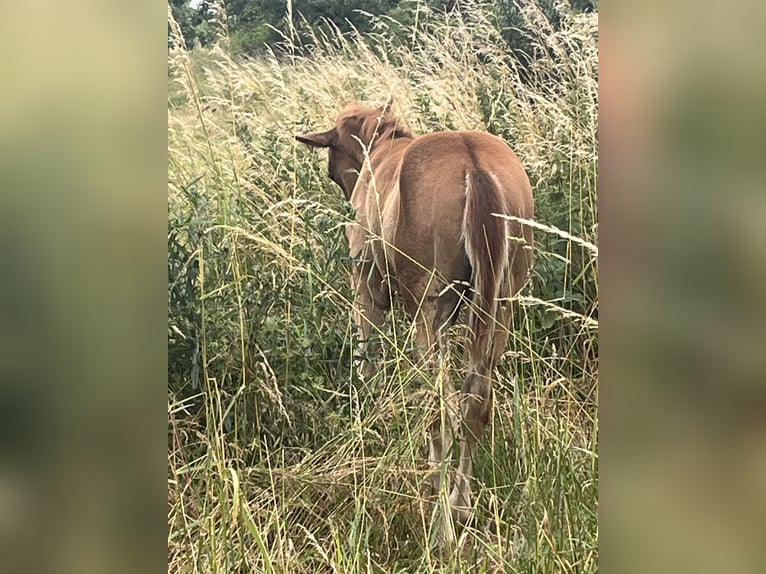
(280, 458)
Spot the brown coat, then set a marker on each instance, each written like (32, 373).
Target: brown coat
(426, 228)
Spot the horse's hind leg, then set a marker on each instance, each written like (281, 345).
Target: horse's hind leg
(442, 429)
(476, 410)
(445, 422)
(432, 315)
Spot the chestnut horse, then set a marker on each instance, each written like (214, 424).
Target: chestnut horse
(426, 229)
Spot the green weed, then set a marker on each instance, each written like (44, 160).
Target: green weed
(280, 458)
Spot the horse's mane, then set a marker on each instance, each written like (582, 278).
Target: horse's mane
(386, 126)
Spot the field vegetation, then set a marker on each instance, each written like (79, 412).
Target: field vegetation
(280, 458)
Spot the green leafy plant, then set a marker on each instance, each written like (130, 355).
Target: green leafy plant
(280, 458)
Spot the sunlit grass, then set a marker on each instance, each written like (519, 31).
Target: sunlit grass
(280, 458)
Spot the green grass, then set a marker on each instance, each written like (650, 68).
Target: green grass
(280, 458)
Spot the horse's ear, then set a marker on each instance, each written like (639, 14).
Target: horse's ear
(388, 106)
(319, 139)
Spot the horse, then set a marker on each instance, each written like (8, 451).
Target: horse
(432, 228)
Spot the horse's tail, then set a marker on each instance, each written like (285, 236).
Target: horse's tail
(486, 244)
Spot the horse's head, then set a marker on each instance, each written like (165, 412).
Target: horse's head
(355, 133)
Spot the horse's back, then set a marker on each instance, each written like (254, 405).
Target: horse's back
(435, 172)
(435, 166)
(431, 205)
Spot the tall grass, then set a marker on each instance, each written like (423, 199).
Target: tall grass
(280, 458)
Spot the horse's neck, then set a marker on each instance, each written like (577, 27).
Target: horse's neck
(379, 174)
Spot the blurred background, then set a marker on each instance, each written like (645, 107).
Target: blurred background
(82, 274)
(683, 270)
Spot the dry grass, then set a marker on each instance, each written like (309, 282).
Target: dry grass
(280, 458)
